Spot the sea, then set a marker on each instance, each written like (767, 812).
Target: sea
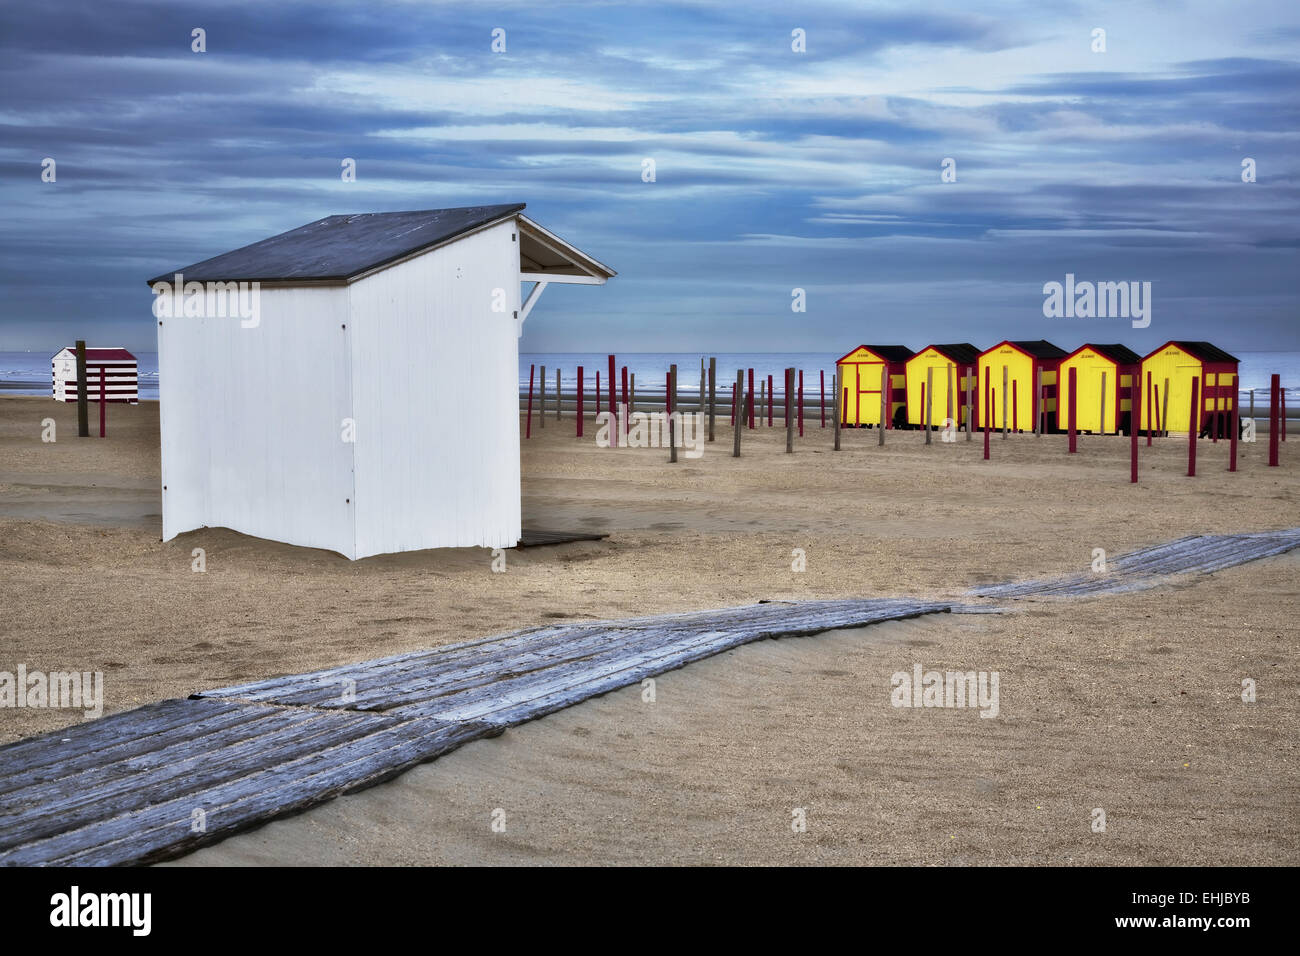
(29, 373)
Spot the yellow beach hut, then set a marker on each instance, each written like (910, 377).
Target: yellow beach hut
(1024, 363)
(1091, 362)
(1167, 375)
(946, 365)
(859, 378)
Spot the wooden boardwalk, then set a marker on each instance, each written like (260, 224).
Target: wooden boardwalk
(161, 780)
(1154, 566)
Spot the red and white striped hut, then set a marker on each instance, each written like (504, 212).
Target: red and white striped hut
(121, 375)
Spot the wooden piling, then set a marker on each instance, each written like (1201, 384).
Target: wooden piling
(1134, 423)
(672, 418)
(528, 426)
(1005, 375)
(541, 397)
(970, 405)
(822, 374)
(769, 403)
(1164, 415)
(713, 389)
(799, 403)
(1101, 426)
(83, 411)
(789, 418)
(736, 419)
(559, 396)
(1072, 400)
(1274, 393)
(884, 404)
(1149, 409)
(578, 416)
(749, 405)
(1235, 424)
(1195, 426)
(988, 411)
(701, 405)
(927, 400)
(1039, 424)
(835, 423)
(952, 384)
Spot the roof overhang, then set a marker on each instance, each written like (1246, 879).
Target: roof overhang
(545, 257)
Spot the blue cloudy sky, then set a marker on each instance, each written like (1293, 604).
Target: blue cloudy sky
(775, 169)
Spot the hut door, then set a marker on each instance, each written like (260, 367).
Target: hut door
(869, 392)
(1180, 395)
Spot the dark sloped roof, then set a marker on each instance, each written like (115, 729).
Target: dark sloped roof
(962, 353)
(1041, 348)
(890, 353)
(1205, 351)
(340, 247)
(1119, 354)
(103, 355)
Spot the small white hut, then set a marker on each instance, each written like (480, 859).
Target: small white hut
(115, 368)
(353, 384)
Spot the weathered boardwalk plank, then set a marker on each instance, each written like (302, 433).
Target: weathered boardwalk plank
(1153, 566)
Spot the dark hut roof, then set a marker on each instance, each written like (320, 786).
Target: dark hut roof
(338, 248)
(1119, 354)
(1204, 351)
(963, 353)
(890, 353)
(1040, 348)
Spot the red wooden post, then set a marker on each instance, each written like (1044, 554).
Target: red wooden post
(1281, 394)
(1072, 399)
(769, 401)
(598, 391)
(612, 386)
(801, 403)
(1135, 412)
(1194, 426)
(1015, 404)
(1235, 423)
(988, 411)
(750, 403)
(1274, 399)
(844, 408)
(823, 380)
(103, 401)
(668, 392)
(579, 416)
(528, 426)
(625, 385)
(1148, 416)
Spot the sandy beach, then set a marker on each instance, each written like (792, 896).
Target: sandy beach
(1131, 703)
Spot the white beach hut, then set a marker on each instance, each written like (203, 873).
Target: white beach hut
(353, 384)
(115, 367)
